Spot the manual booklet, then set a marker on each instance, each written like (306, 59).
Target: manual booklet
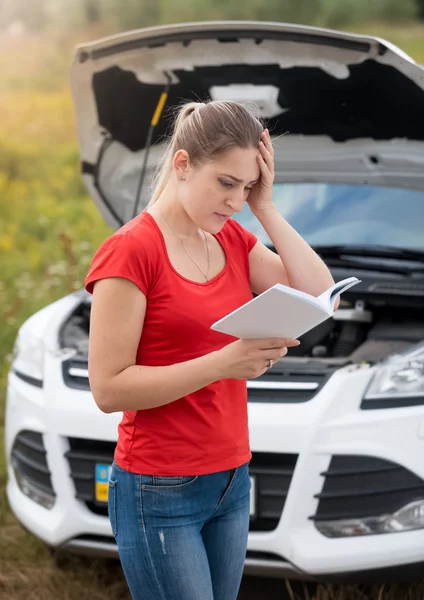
(282, 312)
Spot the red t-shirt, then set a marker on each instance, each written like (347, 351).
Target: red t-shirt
(206, 431)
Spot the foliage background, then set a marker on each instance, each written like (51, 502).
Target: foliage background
(50, 228)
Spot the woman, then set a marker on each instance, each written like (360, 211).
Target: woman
(179, 485)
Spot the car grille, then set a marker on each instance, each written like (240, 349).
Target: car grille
(361, 486)
(83, 456)
(272, 473)
(283, 384)
(29, 458)
(286, 384)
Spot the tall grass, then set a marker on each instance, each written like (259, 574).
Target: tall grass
(49, 231)
(50, 226)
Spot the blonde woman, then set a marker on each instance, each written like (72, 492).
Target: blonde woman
(179, 486)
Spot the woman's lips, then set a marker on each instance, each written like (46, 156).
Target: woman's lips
(222, 216)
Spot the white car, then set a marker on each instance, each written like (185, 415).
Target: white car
(337, 427)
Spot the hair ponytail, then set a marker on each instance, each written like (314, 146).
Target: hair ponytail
(162, 176)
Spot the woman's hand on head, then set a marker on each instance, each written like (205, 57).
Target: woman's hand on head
(248, 359)
(260, 197)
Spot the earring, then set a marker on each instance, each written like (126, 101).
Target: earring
(181, 179)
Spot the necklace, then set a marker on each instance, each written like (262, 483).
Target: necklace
(205, 275)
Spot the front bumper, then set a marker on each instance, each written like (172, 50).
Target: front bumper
(304, 437)
(256, 564)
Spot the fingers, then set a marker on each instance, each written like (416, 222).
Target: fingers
(269, 343)
(267, 172)
(263, 165)
(273, 358)
(276, 355)
(266, 140)
(266, 154)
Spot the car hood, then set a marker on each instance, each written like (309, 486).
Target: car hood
(342, 108)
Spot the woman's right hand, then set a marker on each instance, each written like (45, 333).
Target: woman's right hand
(248, 359)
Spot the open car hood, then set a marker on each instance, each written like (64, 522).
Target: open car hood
(342, 108)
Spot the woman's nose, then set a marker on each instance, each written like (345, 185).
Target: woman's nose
(237, 202)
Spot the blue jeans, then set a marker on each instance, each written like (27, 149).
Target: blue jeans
(181, 538)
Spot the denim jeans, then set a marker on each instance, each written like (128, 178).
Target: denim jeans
(181, 538)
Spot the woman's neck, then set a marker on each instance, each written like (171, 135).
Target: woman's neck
(172, 214)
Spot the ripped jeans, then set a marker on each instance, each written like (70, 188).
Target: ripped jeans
(181, 538)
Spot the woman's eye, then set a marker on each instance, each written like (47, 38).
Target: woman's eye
(225, 183)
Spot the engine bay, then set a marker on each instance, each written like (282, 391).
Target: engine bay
(372, 322)
(361, 332)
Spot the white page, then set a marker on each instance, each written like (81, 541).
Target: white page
(328, 298)
(272, 314)
(281, 312)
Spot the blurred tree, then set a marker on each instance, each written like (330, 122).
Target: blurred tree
(32, 14)
(288, 11)
(339, 13)
(92, 10)
(420, 5)
(134, 13)
(130, 14)
(297, 11)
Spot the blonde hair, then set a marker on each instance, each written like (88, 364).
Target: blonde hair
(205, 130)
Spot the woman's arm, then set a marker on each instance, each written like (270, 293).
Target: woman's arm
(117, 383)
(297, 264)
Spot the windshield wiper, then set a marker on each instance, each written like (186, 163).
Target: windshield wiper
(350, 256)
(373, 265)
(371, 250)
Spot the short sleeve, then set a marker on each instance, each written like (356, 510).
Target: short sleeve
(249, 238)
(121, 255)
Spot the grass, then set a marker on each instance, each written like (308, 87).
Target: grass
(50, 230)
(32, 572)
(410, 38)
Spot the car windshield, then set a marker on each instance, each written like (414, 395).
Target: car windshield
(330, 214)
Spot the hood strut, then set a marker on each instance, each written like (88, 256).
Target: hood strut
(153, 123)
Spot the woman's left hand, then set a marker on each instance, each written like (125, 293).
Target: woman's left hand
(260, 198)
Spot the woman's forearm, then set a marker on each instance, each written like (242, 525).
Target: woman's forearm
(139, 387)
(305, 269)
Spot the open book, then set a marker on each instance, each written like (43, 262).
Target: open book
(282, 312)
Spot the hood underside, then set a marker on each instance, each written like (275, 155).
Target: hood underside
(349, 108)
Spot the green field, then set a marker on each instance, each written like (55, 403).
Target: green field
(50, 230)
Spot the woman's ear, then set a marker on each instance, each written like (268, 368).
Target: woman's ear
(181, 164)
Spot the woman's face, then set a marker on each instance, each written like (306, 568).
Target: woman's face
(214, 191)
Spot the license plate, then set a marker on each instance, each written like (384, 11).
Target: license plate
(102, 481)
(253, 497)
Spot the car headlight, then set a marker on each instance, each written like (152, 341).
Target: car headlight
(407, 518)
(397, 383)
(28, 357)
